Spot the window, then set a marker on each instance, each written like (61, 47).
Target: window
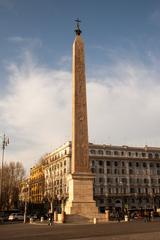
(93, 151)
(131, 171)
(151, 165)
(122, 153)
(137, 164)
(130, 164)
(123, 164)
(129, 154)
(132, 190)
(144, 165)
(150, 155)
(101, 180)
(131, 180)
(108, 163)
(100, 163)
(116, 153)
(108, 171)
(158, 165)
(124, 180)
(116, 171)
(156, 155)
(101, 170)
(146, 180)
(109, 180)
(123, 171)
(143, 154)
(152, 180)
(108, 152)
(100, 152)
(101, 190)
(109, 190)
(116, 164)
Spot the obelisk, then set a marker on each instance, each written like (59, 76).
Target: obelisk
(80, 181)
(80, 157)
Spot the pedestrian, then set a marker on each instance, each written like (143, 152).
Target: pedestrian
(118, 216)
(50, 220)
(145, 216)
(152, 215)
(149, 216)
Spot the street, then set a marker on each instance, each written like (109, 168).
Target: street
(108, 231)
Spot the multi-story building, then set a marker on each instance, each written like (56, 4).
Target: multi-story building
(24, 195)
(124, 177)
(57, 167)
(37, 184)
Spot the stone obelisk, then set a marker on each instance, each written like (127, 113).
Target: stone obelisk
(80, 157)
(80, 182)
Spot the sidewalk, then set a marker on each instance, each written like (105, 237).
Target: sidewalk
(45, 222)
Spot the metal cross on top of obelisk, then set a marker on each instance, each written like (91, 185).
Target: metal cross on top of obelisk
(77, 30)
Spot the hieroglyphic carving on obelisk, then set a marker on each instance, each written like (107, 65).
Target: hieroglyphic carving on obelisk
(80, 156)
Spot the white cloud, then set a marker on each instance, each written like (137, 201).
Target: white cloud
(123, 106)
(36, 109)
(126, 104)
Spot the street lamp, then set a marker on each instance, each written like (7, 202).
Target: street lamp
(121, 193)
(5, 142)
(26, 202)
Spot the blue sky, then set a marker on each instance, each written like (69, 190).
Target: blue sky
(122, 43)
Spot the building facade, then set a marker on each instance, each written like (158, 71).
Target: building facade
(24, 195)
(124, 177)
(57, 168)
(36, 184)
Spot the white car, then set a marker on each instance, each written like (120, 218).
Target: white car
(16, 216)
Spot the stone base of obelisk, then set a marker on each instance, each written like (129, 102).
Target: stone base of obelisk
(80, 206)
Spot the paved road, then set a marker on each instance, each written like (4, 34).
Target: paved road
(109, 231)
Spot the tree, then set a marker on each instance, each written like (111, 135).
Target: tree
(13, 173)
(43, 159)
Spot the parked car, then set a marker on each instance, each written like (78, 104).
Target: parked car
(16, 216)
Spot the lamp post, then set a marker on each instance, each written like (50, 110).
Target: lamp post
(5, 142)
(121, 193)
(27, 197)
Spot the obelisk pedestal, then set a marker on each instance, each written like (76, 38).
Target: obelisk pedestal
(80, 182)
